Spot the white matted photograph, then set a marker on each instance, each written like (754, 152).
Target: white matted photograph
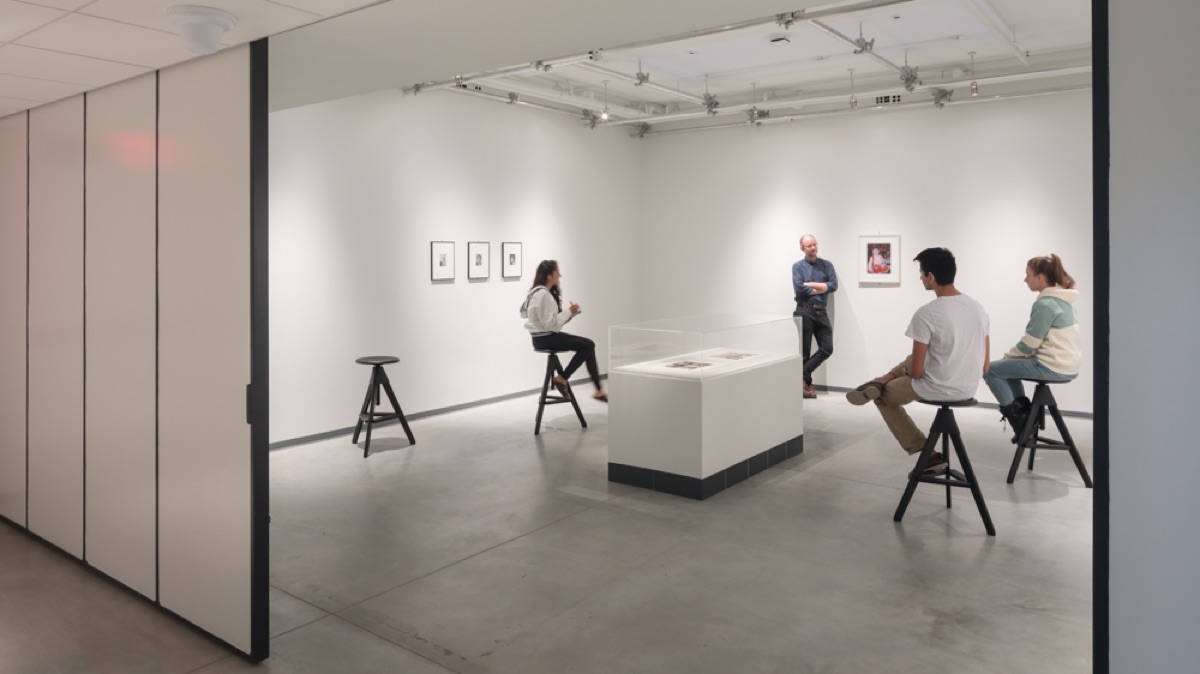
(879, 259)
(441, 261)
(510, 256)
(479, 259)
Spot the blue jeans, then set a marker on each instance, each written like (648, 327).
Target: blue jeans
(1004, 377)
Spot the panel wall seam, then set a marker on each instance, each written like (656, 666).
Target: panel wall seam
(157, 80)
(28, 171)
(83, 179)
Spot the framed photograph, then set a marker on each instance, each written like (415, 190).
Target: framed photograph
(441, 261)
(479, 259)
(510, 257)
(879, 259)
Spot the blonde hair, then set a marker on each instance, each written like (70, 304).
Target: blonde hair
(1051, 267)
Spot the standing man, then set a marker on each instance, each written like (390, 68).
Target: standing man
(813, 279)
(950, 346)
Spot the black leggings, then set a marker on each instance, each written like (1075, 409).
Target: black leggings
(584, 348)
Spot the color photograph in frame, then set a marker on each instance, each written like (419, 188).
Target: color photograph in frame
(441, 261)
(879, 259)
(510, 256)
(479, 260)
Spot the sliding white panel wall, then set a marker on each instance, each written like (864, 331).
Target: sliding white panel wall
(13, 183)
(204, 343)
(56, 323)
(121, 342)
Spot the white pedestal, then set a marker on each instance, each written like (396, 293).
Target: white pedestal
(694, 432)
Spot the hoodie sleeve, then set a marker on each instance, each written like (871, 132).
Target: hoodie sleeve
(1041, 319)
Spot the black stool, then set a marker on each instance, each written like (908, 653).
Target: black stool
(553, 367)
(945, 428)
(1030, 436)
(368, 415)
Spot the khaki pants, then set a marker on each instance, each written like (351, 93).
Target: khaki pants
(897, 393)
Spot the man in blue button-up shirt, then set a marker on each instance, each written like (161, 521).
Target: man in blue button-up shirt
(813, 279)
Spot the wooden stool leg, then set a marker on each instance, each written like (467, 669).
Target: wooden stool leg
(373, 396)
(387, 387)
(571, 393)
(1066, 438)
(551, 365)
(366, 403)
(915, 477)
(969, 473)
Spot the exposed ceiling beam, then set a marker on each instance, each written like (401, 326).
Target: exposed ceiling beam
(992, 19)
(845, 39)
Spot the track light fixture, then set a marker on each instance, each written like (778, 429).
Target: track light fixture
(590, 119)
(853, 98)
(941, 97)
(863, 45)
(908, 75)
(974, 83)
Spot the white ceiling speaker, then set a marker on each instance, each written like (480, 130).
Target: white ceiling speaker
(202, 27)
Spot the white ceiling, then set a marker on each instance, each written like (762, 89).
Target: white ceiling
(51, 49)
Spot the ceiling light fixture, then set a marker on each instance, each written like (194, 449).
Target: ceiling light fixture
(853, 98)
(863, 44)
(604, 113)
(974, 83)
(201, 27)
(908, 75)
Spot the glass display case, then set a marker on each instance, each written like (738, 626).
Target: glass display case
(695, 347)
(700, 403)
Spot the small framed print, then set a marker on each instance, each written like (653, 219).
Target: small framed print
(441, 261)
(510, 256)
(479, 259)
(879, 259)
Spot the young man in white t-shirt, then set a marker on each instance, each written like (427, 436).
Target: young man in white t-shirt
(949, 355)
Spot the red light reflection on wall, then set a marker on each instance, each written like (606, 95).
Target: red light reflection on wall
(136, 150)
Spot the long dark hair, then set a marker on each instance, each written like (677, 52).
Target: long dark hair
(544, 270)
(1051, 267)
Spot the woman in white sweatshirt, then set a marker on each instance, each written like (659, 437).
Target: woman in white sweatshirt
(1051, 348)
(545, 318)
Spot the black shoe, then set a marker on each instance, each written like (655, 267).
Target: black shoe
(936, 462)
(1016, 414)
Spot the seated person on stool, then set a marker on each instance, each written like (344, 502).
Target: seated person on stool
(949, 352)
(545, 319)
(1051, 348)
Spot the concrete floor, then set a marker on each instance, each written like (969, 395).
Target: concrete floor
(486, 549)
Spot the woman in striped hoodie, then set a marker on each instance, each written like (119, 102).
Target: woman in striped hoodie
(1051, 348)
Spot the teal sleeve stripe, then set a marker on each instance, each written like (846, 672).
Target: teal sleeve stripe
(1042, 319)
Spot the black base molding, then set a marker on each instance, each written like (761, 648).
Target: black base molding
(700, 489)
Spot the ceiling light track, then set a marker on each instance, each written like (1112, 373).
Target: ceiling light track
(643, 81)
(511, 98)
(846, 111)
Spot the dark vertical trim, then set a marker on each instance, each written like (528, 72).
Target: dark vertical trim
(28, 246)
(83, 389)
(1101, 263)
(260, 619)
(157, 589)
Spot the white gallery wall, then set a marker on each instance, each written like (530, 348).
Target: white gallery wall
(132, 208)
(359, 189)
(997, 183)
(644, 229)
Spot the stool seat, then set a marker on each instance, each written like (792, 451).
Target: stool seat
(377, 360)
(969, 402)
(378, 385)
(1030, 436)
(945, 430)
